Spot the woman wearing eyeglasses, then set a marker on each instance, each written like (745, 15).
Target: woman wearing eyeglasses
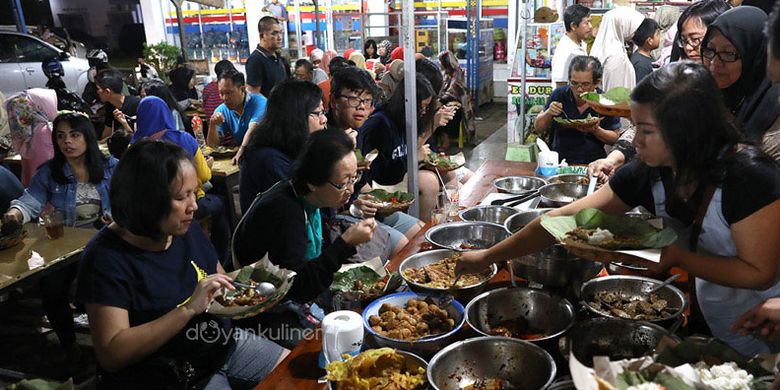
(578, 145)
(734, 50)
(284, 223)
(691, 167)
(691, 27)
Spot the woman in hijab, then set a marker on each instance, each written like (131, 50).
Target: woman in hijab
(391, 78)
(183, 85)
(384, 50)
(316, 57)
(360, 62)
(358, 58)
(617, 27)
(326, 58)
(454, 92)
(348, 52)
(666, 16)
(29, 117)
(397, 54)
(155, 121)
(734, 50)
(691, 28)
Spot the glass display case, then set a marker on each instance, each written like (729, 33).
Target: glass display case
(541, 39)
(456, 43)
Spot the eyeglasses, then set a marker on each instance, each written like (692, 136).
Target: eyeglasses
(318, 114)
(580, 86)
(348, 184)
(725, 56)
(355, 101)
(693, 42)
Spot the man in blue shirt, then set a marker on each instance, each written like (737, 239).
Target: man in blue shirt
(234, 120)
(580, 145)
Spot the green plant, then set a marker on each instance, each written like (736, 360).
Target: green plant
(162, 56)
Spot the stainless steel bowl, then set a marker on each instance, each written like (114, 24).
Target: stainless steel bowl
(552, 267)
(464, 295)
(518, 184)
(519, 220)
(488, 213)
(522, 364)
(543, 313)
(567, 178)
(561, 194)
(411, 363)
(555, 267)
(618, 339)
(424, 347)
(634, 286)
(481, 235)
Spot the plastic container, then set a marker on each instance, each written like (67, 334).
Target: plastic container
(197, 129)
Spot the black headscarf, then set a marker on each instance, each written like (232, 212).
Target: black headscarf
(750, 97)
(180, 83)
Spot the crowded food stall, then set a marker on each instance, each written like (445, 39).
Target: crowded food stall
(273, 231)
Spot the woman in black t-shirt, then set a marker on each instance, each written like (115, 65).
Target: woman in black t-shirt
(687, 148)
(148, 278)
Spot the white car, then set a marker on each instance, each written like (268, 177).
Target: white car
(21, 57)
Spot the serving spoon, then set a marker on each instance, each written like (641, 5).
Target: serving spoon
(663, 284)
(263, 288)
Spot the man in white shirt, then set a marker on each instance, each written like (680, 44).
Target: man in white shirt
(578, 27)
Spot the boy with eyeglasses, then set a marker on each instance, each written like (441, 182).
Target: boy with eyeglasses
(579, 145)
(352, 97)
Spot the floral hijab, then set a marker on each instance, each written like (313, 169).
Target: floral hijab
(30, 111)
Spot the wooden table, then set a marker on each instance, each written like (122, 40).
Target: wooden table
(15, 261)
(224, 176)
(299, 371)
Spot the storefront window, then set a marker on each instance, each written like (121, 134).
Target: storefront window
(212, 34)
(347, 25)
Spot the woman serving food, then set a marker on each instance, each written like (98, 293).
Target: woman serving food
(691, 166)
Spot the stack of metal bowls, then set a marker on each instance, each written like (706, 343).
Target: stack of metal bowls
(488, 213)
(424, 347)
(518, 184)
(517, 363)
(462, 236)
(539, 311)
(615, 338)
(464, 294)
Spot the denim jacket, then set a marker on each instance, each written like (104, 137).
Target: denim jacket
(43, 189)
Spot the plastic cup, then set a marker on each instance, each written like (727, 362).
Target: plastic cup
(439, 216)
